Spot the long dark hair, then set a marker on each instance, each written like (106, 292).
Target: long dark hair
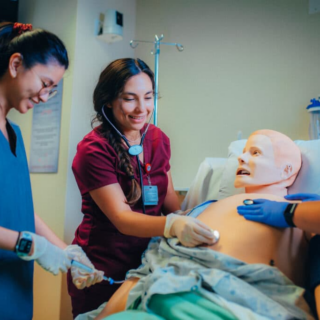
(111, 83)
(36, 46)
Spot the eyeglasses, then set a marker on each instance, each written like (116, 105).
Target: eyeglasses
(46, 89)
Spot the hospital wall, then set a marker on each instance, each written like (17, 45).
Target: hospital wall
(246, 65)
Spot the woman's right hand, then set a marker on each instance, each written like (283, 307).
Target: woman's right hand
(190, 231)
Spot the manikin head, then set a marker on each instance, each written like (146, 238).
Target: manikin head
(269, 164)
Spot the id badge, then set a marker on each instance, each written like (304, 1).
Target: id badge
(150, 195)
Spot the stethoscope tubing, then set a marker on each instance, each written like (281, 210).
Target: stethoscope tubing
(137, 156)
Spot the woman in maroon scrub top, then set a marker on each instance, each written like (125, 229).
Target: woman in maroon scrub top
(114, 231)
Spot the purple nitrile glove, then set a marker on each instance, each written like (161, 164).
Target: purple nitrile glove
(265, 211)
(303, 197)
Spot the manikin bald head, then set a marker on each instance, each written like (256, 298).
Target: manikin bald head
(269, 159)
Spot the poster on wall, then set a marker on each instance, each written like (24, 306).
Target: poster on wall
(45, 135)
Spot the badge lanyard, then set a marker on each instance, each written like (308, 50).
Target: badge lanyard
(149, 193)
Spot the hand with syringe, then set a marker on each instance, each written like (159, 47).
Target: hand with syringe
(81, 266)
(83, 271)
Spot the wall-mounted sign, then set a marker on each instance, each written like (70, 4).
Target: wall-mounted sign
(45, 136)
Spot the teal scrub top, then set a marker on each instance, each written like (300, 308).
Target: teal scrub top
(16, 213)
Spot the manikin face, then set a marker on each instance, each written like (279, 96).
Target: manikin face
(257, 164)
(31, 86)
(134, 105)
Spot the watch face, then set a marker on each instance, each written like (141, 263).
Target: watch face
(24, 246)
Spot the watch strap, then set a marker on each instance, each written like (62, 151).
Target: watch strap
(17, 242)
(24, 244)
(289, 213)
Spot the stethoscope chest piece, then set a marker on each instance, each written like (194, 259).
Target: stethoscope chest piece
(248, 202)
(135, 150)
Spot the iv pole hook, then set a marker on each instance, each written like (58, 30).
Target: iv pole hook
(156, 52)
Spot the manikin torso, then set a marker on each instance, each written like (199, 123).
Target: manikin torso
(254, 242)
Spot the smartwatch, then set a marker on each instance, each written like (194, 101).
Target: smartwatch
(289, 213)
(24, 244)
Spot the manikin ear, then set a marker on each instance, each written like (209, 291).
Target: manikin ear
(15, 62)
(286, 171)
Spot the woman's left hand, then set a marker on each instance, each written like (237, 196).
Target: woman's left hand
(82, 279)
(265, 211)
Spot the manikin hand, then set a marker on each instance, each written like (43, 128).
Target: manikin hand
(303, 197)
(80, 278)
(265, 211)
(48, 256)
(190, 231)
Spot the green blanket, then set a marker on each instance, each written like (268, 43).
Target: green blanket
(177, 306)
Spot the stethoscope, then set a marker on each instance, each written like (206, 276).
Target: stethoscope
(134, 151)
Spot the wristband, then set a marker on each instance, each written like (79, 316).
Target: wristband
(24, 244)
(17, 242)
(289, 213)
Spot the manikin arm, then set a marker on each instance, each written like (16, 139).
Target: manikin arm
(117, 302)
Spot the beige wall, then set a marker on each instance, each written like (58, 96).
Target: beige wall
(247, 65)
(49, 189)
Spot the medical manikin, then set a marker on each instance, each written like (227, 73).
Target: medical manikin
(268, 166)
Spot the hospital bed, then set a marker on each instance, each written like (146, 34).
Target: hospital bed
(215, 177)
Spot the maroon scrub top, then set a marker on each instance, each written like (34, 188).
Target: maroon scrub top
(95, 165)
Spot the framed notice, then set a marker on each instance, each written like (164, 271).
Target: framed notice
(45, 136)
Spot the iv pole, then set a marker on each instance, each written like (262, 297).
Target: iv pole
(157, 42)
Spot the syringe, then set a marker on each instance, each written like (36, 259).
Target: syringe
(83, 267)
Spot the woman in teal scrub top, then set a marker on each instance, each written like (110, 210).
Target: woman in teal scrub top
(32, 62)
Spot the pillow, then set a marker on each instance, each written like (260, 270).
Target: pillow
(227, 188)
(206, 184)
(308, 179)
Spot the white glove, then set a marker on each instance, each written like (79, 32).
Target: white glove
(80, 278)
(190, 231)
(181, 212)
(48, 256)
